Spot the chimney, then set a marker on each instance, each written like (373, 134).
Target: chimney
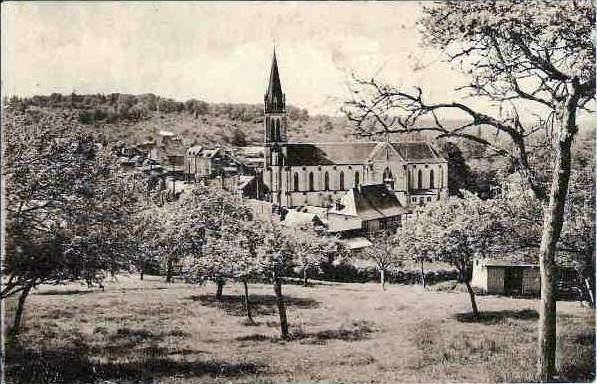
(338, 205)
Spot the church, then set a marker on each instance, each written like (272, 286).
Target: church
(320, 174)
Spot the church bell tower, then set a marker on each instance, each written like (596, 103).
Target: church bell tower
(275, 123)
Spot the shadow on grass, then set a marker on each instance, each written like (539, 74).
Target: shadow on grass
(146, 288)
(260, 304)
(579, 362)
(494, 317)
(126, 341)
(358, 330)
(75, 365)
(56, 292)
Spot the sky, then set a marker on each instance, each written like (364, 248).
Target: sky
(217, 52)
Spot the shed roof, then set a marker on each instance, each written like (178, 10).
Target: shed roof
(507, 263)
(355, 242)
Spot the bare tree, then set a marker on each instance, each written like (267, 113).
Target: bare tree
(536, 56)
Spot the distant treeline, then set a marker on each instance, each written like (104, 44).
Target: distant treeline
(114, 107)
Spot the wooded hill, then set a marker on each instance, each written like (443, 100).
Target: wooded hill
(137, 118)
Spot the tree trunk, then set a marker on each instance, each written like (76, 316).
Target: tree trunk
(305, 277)
(169, 270)
(248, 303)
(220, 283)
(422, 274)
(16, 326)
(471, 294)
(552, 227)
(281, 308)
(590, 295)
(142, 273)
(382, 279)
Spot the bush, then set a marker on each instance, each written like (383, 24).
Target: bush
(348, 273)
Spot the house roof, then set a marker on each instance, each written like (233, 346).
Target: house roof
(343, 224)
(244, 181)
(304, 154)
(194, 150)
(370, 202)
(355, 243)
(294, 218)
(200, 151)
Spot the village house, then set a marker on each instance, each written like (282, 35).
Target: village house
(365, 210)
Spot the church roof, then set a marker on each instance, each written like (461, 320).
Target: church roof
(274, 98)
(304, 154)
(418, 150)
(328, 153)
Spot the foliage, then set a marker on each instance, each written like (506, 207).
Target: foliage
(311, 247)
(385, 252)
(67, 209)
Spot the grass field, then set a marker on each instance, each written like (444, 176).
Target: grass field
(150, 331)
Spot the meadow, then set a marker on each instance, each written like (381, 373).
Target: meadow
(152, 332)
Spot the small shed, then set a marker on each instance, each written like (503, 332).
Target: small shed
(506, 277)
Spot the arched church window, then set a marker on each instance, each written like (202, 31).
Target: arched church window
(296, 182)
(431, 180)
(357, 179)
(387, 178)
(277, 130)
(341, 180)
(387, 174)
(311, 182)
(326, 181)
(420, 179)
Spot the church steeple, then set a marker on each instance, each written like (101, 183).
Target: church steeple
(274, 99)
(275, 108)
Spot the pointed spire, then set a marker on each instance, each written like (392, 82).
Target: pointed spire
(274, 98)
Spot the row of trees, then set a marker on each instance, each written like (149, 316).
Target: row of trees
(120, 106)
(210, 235)
(466, 228)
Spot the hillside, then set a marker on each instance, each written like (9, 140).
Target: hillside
(137, 118)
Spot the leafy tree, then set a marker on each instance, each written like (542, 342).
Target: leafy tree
(175, 232)
(412, 243)
(311, 248)
(222, 214)
(67, 211)
(383, 253)
(147, 234)
(275, 257)
(460, 173)
(520, 56)
(455, 232)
